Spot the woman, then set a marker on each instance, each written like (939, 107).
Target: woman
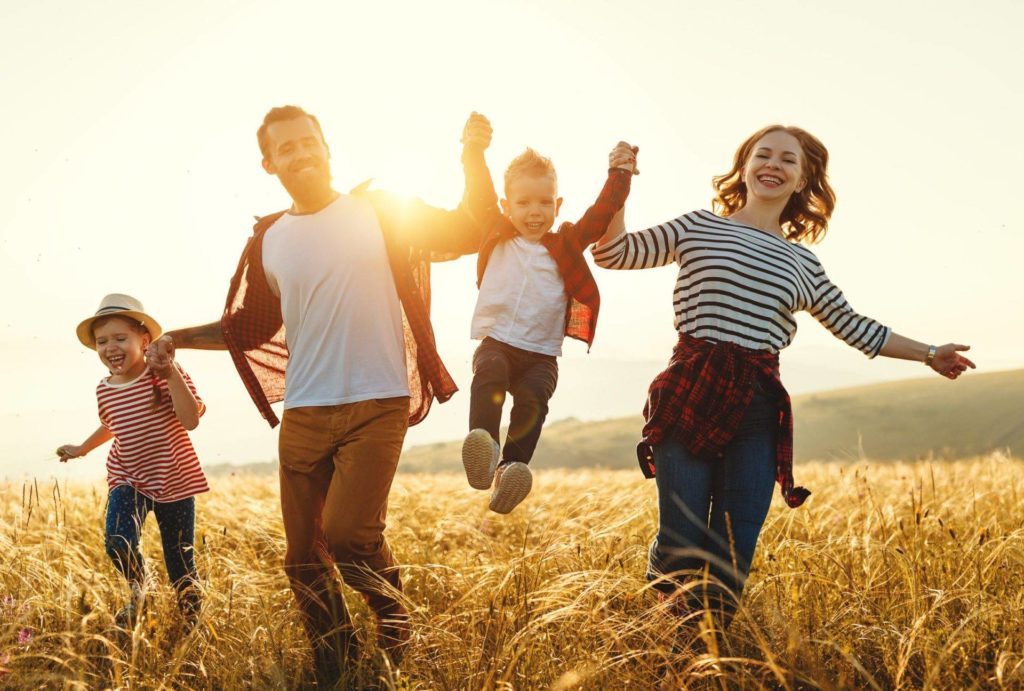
(718, 427)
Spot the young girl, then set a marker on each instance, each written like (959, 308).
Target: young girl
(718, 430)
(152, 465)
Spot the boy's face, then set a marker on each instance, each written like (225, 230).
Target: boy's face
(120, 346)
(532, 205)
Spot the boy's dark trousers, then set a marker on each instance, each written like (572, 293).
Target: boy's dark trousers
(530, 378)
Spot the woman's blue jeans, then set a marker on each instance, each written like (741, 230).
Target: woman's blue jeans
(711, 511)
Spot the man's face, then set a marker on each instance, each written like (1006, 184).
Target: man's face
(532, 205)
(298, 155)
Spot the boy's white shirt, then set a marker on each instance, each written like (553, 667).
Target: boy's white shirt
(522, 299)
(342, 315)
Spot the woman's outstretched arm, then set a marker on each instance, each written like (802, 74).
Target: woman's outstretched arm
(946, 359)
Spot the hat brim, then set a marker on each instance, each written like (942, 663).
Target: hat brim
(84, 329)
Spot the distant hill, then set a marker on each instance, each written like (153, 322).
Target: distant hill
(896, 420)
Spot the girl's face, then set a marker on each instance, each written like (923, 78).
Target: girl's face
(122, 349)
(774, 169)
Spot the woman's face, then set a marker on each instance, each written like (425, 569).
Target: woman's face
(774, 169)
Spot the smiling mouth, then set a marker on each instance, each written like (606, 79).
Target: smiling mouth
(535, 226)
(116, 361)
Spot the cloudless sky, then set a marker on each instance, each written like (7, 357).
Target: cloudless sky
(130, 165)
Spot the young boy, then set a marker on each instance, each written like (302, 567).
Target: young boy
(535, 289)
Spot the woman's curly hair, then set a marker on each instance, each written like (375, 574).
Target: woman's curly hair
(805, 218)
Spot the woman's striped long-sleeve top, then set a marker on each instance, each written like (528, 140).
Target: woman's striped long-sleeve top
(740, 284)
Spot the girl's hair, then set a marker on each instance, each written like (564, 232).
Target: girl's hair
(805, 218)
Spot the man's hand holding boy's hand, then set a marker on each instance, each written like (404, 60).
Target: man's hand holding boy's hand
(624, 156)
(477, 132)
(160, 356)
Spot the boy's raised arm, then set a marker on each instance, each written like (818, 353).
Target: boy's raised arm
(595, 222)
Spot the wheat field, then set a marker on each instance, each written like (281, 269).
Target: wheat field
(892, 576)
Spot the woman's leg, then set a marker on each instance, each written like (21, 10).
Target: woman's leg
(684, 498)
(743, 482)
(177, 521)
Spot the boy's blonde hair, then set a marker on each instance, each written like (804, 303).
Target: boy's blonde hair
(529, 163)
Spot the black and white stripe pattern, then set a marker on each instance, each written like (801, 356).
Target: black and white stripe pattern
(740, 284)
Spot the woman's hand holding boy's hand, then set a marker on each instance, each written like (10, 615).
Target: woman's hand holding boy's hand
(160, 356)
(624, 156)
(477, 132)
(69, 451)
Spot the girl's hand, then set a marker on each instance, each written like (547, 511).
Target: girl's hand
(949, 362)
(69, 451)
(160, 357)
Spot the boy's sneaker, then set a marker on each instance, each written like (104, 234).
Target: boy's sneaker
(512, 482)
(480, 458)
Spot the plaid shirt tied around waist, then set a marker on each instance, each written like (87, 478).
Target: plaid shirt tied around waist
(701, 397)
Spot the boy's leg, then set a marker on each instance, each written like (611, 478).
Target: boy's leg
(177, 522)
(491, 371)
(534, 379)
(355, 510)
(306, 448)
(491, 368)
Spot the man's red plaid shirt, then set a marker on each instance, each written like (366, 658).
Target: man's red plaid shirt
(701, 397)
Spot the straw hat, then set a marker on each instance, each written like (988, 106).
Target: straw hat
(122, 306)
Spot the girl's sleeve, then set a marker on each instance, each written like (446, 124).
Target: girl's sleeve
(643, 249)
(191, 387)
(832, 310)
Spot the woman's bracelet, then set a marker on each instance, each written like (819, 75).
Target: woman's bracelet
(930, 356)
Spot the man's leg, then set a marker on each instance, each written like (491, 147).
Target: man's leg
(355, 510)
(491, 369)
(306, 451)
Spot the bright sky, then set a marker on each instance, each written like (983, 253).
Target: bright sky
(131, 166)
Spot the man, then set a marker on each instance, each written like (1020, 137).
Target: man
(346, 278)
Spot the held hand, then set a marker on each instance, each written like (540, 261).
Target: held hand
(477, 132)
(69, 451)
(624, 156)
(949, 362)
(160, 356)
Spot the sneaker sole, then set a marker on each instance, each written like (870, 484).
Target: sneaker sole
(515, 483)
(478, 459)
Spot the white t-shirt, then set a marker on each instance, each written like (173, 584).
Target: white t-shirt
(342, 315)
(522, 299)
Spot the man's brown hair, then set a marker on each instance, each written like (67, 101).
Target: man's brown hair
(280, 114)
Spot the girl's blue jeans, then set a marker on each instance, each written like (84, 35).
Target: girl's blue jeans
(127, 509)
